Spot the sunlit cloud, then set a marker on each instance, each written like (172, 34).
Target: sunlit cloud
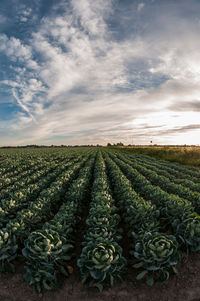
(101, 71)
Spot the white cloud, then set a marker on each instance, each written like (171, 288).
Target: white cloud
(14, 49)
(24, 13)
(93, 62)
(140, 6)
(10, 83)
(87, 84)
(21, 104)
(27, 12)
(91, 14)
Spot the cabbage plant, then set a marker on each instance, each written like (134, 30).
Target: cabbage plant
(8, 251)
(100, 262)
(157, 255)
(188, 230)
(45, 250)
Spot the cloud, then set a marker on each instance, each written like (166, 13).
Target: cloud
(91, 15)
(140, 6)
(185, 106)
(21, 104)
(185, 128)
(24, 13)
(79, 54)
(14, 48)
(74, 77)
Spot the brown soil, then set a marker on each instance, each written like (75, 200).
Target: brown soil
(183, 287)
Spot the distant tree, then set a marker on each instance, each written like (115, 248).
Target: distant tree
(120, 144)
(109, 144)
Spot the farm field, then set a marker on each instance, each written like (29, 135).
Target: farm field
(98, 224)
(187, 155)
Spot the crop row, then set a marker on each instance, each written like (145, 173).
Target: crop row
(176, 170)
(166, 184)
(186, 182)
(110, 194)
(20, 199)
(175, 211)
(101, 258)
(37, 212)
(49, 250)
(28, 177)
(27, 170)
(155, 252)
(12, 167)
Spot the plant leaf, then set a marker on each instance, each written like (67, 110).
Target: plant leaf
(141, 275)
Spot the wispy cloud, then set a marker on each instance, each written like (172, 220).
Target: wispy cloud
(23, 106)
(74, 77)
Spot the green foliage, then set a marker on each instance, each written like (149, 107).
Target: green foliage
(184, 155)
(167, 171)
(101, 259)
(44, 250)
(102, 234)
(101, 262)
(41, 276)
(48, 250)
(49, 190)
(8, 250)
(172, 207)
(156, 254)
(139, 215)
(188, 231)
(38, 210)
(166, 184)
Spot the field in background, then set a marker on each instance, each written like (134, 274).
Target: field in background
(187, 155)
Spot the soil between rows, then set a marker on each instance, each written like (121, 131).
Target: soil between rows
(183, 287)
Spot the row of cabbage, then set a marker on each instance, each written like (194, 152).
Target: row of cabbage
(188, 181)
(177, 214)
(24, 168)
(126, 191)
(154, 252)
(101, 260)
(177, 170)
(191, 170)
(12, 165)
(38, 211)
(30, 176)
(166, 184)
(50, 249)
(18, 197)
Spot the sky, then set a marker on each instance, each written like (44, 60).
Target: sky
(99, 71)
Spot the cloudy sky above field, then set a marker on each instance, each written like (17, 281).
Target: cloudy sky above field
(98, 71)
